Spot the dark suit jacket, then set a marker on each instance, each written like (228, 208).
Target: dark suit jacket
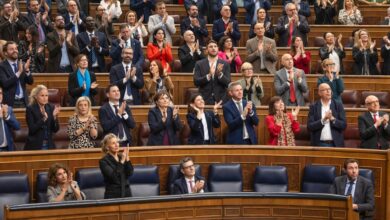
(55, 54)
(196, 126)
(371, 59)
(117, 74)
(385, 54)
(371, 136)
(158, 128)
(235, 123)
(116, 53)
(250, 6)
(8, 81)
(75, 90)
(324, 15)
(337, 127)
(116, 177)
(324, 54)
(201, 4)
(301, 30)
(84, 41)
(385, 21)
(215, 89)
(9, 31)
(180, 185)
(69, 25)
(9, 125)
(363, 197)
(36, 126)
(142, 8)
(109, 121)
(304, 8)
(200, 32)
(29, 19)
(219, 29)
(218, 5)
(187, 61)
(269, 32)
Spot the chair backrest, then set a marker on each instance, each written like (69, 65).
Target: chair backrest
(270, 179)
(366, 173)
(382, 96)
(352, 137)
(350, 98)
(175, 173)
(54, 96)
(91, 182)
(145, 181)
(318, 179)
(41, 187)
(143, 134)
(225, 178)
(14, 190)
(303, 137)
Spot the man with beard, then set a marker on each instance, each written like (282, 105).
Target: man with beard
(162, 20)
(62, 48)
(14, 77)
(212, 76)
(190, 52)
(196, 24)
(40, 20)
(103, 23)
(10, 23)
(93, 44)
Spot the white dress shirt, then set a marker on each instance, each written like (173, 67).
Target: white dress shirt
(326, 133)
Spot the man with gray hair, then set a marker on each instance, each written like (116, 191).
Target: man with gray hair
(190, 52)
(374, 126)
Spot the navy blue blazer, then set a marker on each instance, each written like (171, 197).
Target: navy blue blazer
(200, 32)
(116, 53)
(158, 128)
(36, 131)
(109, 121)
(117, 73)
(218, 6)
(314, 124)
(69, 25)
(180, 185)
(301, 30)
(75, 90)
(143, 8)
(8, 81)
(219, 29)
(196, 126)
(9, 125)
(84, 41)
(234, 122)
(249, 6)
(29, 19)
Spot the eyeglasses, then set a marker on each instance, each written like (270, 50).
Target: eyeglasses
(330, 64)
(321, 90)
(373, 102)
(188, 167)
(245, 69)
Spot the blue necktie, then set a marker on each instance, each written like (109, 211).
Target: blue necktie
(349, 190)
(93, 54)
(1, 130)
(74, 25)
(18, 82)
(128, 87)
(121, 133)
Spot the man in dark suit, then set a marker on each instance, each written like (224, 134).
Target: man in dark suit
(374, 126)
(143, 8)
(251, 7)
(189, 182)
(14, 77)
(201, 5)
(290, 25)
(129, 78)
(190, 52)
(63, 48)
(326, 122)
(115, 117)
(126, 41)
(385, 54)
(360, 188)
(93, 44)
(196, 24)
(226, 26)
(74, 18)
(386, 20)
(8, 123)
(38, 19)
(240, 116)
(11, 23)
(219, 4)
(212, 76)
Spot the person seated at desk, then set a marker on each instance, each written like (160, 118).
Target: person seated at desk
(189, 182)
(61, 186)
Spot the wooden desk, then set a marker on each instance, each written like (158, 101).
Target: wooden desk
(294, 158)
(206, 206)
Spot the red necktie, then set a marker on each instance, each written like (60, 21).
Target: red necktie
(292, 89)
(291, 30)
(374, 118)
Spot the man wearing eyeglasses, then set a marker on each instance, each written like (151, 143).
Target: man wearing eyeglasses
(189, 182)
(374, 126)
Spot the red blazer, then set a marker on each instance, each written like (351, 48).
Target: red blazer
(274, 129)
(303, 63)
(165, 56)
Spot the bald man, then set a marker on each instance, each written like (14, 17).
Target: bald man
(327, 121)
(226, 26)
(374, 126)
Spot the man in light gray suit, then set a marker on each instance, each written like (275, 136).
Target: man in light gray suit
(262, 51)
(162, 20)
(290, 83)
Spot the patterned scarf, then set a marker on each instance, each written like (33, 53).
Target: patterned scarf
(286, 135)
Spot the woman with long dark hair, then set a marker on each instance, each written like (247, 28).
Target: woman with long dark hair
(160, 50)
(229, 53)
(159, 80)
(301, 57)
(33, 50)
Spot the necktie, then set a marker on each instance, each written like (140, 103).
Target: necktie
(374, 117)
(292, 89)
(128, 86)
(93, 54)
(41, 33)
(74, 25)
(120, 125)
(291, 30)
(1, 130)
(191, 186)
(349, 190)
(18, 82)
(244, 131)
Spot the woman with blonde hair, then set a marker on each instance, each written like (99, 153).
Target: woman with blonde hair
(116, 168)
(251, 85)
(350, 14)
(364, 54)
(61, 186)
(332, 78)
(42, 120)
(137, 28)
(82, 126)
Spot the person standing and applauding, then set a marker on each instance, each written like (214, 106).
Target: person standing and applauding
(7, 122)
